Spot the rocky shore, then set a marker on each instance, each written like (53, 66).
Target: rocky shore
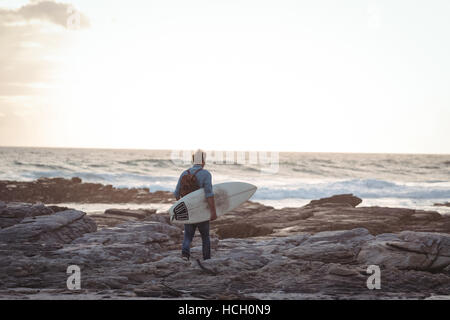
(339, 212)
(319, 251)
(444, 204)
(60, 190)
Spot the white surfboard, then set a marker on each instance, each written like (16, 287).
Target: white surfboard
(193, 208)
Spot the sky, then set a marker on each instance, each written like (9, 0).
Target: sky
(284, 75)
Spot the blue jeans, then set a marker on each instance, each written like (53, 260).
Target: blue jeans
(189, 231)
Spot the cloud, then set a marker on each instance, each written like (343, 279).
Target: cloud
(28, 73)
(62, 14)
(24, 47)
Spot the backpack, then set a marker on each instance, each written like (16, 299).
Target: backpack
(189, 183)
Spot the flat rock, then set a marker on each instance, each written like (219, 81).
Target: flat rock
(14, 212)
(331, 246)
(113, 217)
(243, 230)
(408, 250)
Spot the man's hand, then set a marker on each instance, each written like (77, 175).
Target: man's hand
(212, 208)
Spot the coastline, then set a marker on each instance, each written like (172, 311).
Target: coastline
(96, 197)
(319, 251)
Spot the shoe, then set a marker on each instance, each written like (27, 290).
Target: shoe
(185, 256)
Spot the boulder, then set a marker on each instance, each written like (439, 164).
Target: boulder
(341, 199)
(61, 227)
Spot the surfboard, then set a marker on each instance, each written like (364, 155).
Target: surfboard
(193, 208)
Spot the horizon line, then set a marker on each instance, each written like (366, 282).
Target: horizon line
(224, 150)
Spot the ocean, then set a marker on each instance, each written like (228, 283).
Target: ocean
(285, 179)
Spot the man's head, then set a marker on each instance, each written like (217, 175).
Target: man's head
(199, 157)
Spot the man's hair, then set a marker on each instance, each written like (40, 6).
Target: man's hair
(199, 157)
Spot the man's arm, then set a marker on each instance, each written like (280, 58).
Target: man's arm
(212, 207)
(210, 196)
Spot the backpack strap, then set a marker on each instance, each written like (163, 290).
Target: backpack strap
(195, 173)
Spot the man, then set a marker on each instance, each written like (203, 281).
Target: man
(203, 180)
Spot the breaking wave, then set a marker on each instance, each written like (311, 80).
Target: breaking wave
(363, 188)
